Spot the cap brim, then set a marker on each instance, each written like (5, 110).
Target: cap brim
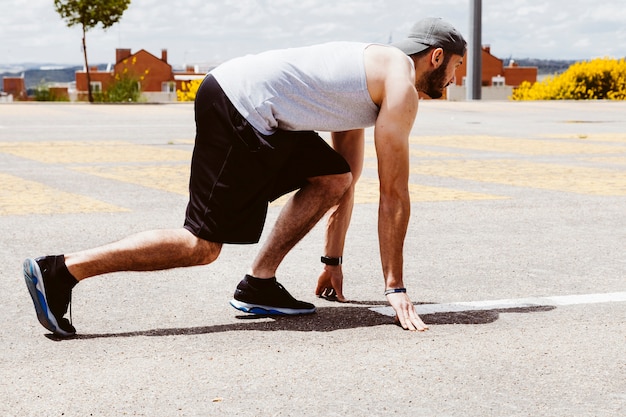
(410, 47)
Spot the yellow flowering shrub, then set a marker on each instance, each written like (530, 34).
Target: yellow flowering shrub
(189, 90)
(598, 79)
(126, 87)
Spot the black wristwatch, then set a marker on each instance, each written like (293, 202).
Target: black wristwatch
(331, 261)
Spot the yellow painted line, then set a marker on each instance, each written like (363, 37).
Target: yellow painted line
(21, 197)
(573, 179)
(367, 192)
(170, 178)
(609, 160)
(66, 152)
(183, 141)
(595, 137)
(517, 146)
(419, 153)
(370, 152)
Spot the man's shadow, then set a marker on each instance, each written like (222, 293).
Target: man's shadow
(352, 315)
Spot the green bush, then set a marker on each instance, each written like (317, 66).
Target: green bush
(124, 89)
(43, 93)
(598, 79)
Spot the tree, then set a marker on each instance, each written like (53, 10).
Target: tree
(88, 14)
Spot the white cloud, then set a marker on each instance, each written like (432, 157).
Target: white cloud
(206, 31)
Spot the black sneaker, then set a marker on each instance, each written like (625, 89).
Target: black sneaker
(51, 293)
(267, 297)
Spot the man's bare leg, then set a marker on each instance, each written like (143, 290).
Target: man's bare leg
(147, 251)
(297, 218)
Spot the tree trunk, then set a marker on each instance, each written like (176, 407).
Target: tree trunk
(89, 93)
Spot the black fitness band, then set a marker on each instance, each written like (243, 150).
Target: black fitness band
(394, 290)
(331, 261)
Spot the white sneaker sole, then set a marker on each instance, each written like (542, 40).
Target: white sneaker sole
(268, 310)
(34, 282)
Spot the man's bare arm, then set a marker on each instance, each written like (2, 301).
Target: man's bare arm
(397, 115)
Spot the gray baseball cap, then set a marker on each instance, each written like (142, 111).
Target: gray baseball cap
(435, 32)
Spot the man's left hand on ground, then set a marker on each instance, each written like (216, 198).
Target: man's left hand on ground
(405, 312)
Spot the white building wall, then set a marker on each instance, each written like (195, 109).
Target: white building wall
(458, 93)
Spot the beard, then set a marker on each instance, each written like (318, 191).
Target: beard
(435, 82)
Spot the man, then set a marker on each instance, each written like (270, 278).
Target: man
(421, 45)
(255, 141)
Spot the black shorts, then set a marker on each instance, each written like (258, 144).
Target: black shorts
(236, 171)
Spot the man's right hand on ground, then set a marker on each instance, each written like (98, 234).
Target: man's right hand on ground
(330, 284)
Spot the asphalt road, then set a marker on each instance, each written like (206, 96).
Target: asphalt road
(515, 256)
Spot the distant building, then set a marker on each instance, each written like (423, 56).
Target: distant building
(14, 88)
(157, 80)
(498, 80)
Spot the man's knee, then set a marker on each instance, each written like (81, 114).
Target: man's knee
(335, 185)
(343, 183)
(204, 251)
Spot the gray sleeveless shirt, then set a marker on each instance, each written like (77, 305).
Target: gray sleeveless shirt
(321, 87)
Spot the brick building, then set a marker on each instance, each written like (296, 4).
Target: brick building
(14, 87)
(498, 80)
(157, 80)
(493, 70)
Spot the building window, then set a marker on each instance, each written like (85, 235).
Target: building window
(168, 87)
(96, 86)
(498, 81)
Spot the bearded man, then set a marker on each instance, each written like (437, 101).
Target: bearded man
(256, 123)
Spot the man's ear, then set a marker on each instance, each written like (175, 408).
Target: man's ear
(436, 57)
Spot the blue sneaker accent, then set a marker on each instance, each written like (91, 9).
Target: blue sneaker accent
(267, 310)
(267, 297)
(36, 287)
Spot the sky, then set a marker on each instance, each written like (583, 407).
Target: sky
(212, 31)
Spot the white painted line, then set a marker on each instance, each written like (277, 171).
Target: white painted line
(559, 300)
